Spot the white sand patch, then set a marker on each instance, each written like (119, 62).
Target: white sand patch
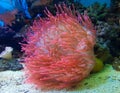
(106, 81)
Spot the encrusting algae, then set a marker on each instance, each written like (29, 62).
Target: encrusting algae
(59, 50)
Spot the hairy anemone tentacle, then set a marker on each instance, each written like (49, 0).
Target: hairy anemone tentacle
(59, 51)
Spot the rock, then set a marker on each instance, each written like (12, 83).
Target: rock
(13, 65)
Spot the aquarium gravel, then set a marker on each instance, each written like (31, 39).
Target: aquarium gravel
(106, 81)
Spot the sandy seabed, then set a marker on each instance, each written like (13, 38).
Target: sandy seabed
(106, 81)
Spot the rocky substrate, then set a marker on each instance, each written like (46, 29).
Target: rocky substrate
(106, 81)
(12, 64)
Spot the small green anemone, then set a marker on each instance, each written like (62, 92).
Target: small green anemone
(98, 65)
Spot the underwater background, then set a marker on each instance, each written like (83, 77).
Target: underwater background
(88, 3)
(20, 18)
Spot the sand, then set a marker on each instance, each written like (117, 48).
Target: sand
(106, 81)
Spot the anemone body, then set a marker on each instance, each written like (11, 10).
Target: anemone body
(59, 49)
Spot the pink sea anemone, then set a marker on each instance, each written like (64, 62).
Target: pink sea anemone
(59, 50)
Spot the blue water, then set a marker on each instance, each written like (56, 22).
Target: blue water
(9, 5)
(89, 2)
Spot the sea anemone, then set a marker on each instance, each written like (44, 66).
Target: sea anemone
(59, 50)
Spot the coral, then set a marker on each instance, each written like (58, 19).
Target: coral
(8, 17)
(103, 53)
(98, 12)
(108, 37)
(115, 6)
(13, 32)
(59, 50)
(35, 10)
(116, 63)
(7, 53)
(9, 37)
(22, 6)
(40, 2)
(78, 6)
